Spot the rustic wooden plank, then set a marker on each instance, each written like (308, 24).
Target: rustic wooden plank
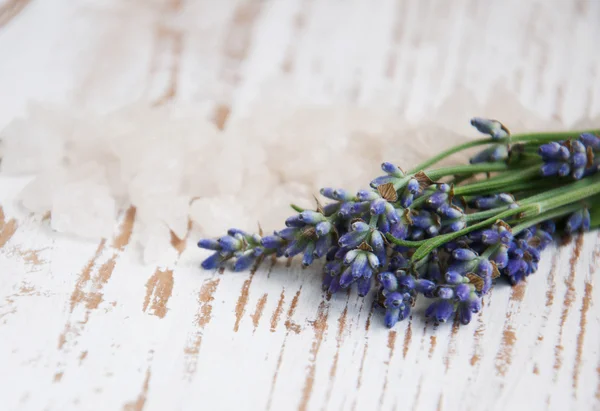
(84, 323)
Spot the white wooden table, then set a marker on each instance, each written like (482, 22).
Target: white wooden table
(86, 326)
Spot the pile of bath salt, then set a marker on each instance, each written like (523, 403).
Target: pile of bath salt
(173, 165)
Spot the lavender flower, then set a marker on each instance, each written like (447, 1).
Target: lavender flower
(494, 128)
(369, 236)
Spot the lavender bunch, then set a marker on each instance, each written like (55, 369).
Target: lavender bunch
(445, 235)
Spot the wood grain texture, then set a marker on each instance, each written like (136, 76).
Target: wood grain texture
(83, 324)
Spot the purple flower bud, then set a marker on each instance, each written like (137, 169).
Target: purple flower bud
(346, 278)
(373, 261)
(381, 180)
(462, 291)
(578, 173)
(464, 314)
(388, 281)
(423, 220)
(452, 277)
(360, 208)
(272, 241)
(440, 310)
(342, 195)
(406, 199)
(378, 206)
(574, 222)
(287, 233)
(404, 311)
(493, 128)
(311, 217)
(353, 239)
(495, 152)
(360, 226)
(463, 267)
(450, 211)
(359, 265)
(432, 231)
(341, 253)
(406, 282)
(590, 140)
(309, 255)
(437, 199)
(464, 254)
(454, 226)
(551, 168)
(399, 230)
(424, 286)
(391, 316)
(383, 225)
(564, 170)
(329, 193)
(394, 300)
(391, 214)
(398, 261)
(579, 160)
(323, 228)
(294, 221)
(244, 261)
(236, 231)
(378, 244)
(335, 286)
(475, 304)
(585, 224)
(364, 286)
(392, 169)
(367, 195)
(485, 268)
(550, 151)
(321, 246)
(295, 247)
(445, 293)
(229, 243)
(417, 234)
(209, 244)
(333, 268)
(548, 226)
(329, 209)
(412, 186)
(347, 209)
(212, 262)
(577, 146)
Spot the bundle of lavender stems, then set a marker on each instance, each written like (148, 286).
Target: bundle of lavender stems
(445, 234)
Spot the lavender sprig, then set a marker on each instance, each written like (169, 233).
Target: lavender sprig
(448, 240)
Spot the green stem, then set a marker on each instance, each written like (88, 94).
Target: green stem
(548, 215)
(404, 243)
(576, 193)
(519, 186)
(449, 152)
(498, 182)
(542, 137)
(467, 169)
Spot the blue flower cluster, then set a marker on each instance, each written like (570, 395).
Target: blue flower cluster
(351, 233)
(570, 157)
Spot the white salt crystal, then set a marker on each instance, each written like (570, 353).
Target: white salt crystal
(155, 240)
(215, 215)
(84, 208)
(29, 147)
(37, 196)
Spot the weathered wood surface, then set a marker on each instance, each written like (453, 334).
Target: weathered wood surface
(85, 326)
